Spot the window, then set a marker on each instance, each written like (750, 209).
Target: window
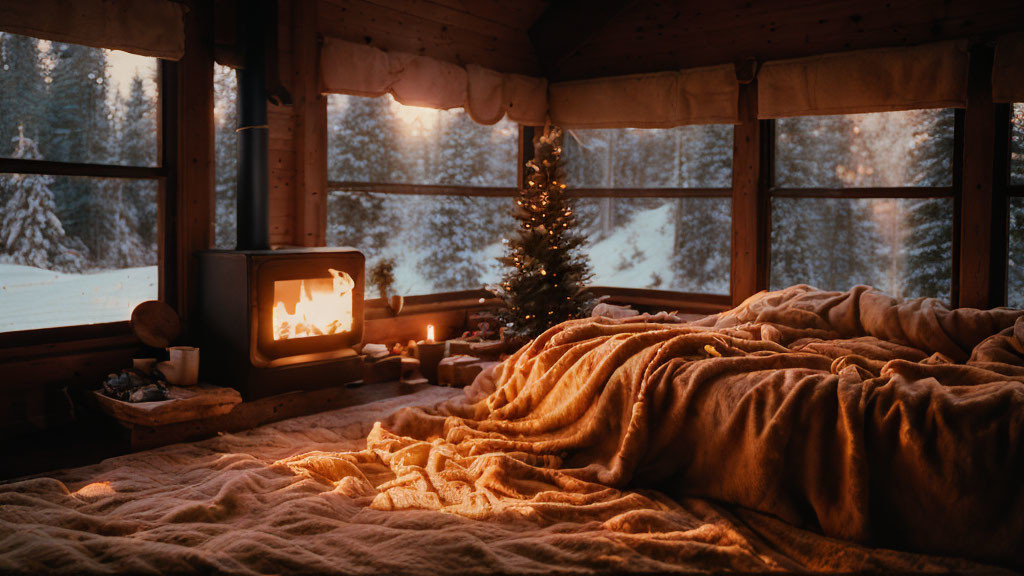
(79, 178)
(864, 199)
(655, 205)
(1017, 146)
(428, 188)
(225, 120)
(1015, 293)
(1015, 264)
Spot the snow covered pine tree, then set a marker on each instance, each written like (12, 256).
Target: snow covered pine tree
(31, 234)
(546, 279)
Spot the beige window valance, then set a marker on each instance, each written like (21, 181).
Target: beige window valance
(661, 100)
(1008, 69)
(880, 80)
(147, 27)
(361, 70)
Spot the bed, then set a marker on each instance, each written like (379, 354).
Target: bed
(803, 430)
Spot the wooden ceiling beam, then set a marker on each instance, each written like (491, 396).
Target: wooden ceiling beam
(567, 25)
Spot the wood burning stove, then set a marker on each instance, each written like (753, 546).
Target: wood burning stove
(280, 320)
(273, 321)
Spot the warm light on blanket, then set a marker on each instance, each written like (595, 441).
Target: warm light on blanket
(95, 490)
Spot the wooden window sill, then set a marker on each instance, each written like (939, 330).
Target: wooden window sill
(28, 344)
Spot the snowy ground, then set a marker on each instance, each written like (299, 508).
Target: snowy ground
(633, 255)
(33, 298)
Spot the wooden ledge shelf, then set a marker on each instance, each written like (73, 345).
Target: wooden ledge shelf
(262, 411)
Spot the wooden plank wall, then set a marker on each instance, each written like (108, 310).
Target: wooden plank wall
(653, 36)
(282, 140)
(310, 221)
(490, 33)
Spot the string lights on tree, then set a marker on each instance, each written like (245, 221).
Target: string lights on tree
(546, 277)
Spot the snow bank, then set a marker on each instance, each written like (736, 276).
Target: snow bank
(33, 298)
(637, 253)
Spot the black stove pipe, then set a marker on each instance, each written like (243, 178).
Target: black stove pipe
(253, 194)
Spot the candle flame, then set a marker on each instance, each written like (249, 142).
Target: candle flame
(430, 332)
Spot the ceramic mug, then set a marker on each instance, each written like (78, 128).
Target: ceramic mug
(183, 367)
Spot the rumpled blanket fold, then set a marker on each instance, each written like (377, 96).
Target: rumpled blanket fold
(891, 424)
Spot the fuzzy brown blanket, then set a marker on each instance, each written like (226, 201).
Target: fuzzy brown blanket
(852, 423)
(847, 413)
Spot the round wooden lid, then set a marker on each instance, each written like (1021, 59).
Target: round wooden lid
(156, 324)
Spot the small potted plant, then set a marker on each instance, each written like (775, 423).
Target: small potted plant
(382, 276)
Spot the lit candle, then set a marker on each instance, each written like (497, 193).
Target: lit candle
(430, 354)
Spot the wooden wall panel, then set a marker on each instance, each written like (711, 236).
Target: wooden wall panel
(39, 383)
(452, 32)
(653, 36)
(281, 120)
(310, 194)
(195, 174)
(281, 175)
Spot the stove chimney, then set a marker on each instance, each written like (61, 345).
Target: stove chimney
(253, 195)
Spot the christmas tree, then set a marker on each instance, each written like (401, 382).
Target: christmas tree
(31, 234)
(545, 282)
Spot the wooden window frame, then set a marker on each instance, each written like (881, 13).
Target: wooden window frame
(951, 192)
(1005, 192)
(689, 302)
(434, 302)
(21, 343)
(647, 298)
(976, 156)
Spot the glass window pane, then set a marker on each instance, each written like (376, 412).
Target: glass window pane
(680, 244)
(887, 149)
(901, 246)
(379, 140)
(80, 104)
(1015, 289)
(1017, 146)
(75, 250)
(225, 118)
(439, 243)
(683, 157)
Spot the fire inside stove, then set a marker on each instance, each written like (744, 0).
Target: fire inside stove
(313, 306)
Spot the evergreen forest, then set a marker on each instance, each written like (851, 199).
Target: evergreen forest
(58, 103)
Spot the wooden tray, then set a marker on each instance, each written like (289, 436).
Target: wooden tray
(191, 403)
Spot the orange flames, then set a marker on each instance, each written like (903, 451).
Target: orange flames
(322, 306)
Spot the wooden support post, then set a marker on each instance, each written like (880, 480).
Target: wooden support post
(310, 109)
(1000, 236)
(195, 165)
(749, 201)
(976, 189)
(167, 190)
